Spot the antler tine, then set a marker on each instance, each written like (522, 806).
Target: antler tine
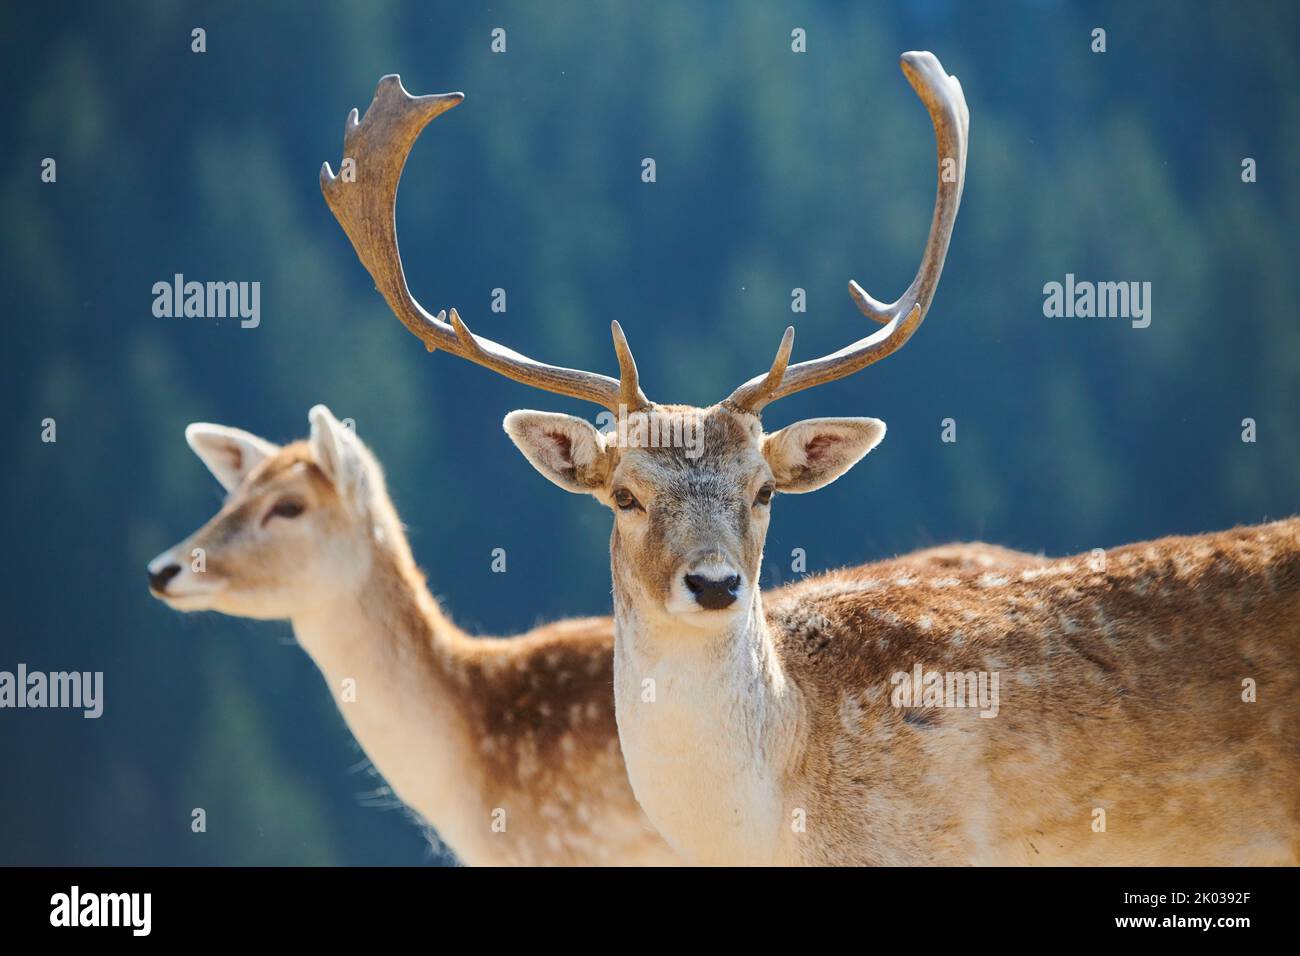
(365, 204)
(768, 384)
(630, 394)
(943, 98)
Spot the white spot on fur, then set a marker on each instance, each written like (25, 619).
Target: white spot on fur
(850, 714)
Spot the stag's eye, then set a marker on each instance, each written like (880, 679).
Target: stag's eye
(286, 508)
(625, 500)
(764, 495)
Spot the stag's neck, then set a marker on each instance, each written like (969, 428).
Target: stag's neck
(710, 727)
(390, 658)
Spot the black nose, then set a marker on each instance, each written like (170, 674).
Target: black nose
(158, 579)
(713, 594)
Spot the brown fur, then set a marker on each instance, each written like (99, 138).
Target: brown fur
(1121, 689)
(551, 690)
(530, 717)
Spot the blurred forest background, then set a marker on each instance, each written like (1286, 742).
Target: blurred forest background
(775, 170)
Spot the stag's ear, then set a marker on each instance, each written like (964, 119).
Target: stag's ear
(809, 454)
(567, 450)
(338, 453)
(229, 453)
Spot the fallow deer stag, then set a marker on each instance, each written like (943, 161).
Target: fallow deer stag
(777, 733)
(506, 747)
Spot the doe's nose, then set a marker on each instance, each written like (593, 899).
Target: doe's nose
(158, 579)
(713, 594)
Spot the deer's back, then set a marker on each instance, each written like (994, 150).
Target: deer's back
(1124, 685)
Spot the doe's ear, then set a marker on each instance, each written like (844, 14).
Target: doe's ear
(567, 450)
(229, 453)
(810, 454)
(337, 452)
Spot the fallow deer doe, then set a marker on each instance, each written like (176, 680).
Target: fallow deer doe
(506, 747)
(774, 733)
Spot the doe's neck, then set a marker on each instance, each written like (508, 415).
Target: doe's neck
(392, 661)
(387, 613)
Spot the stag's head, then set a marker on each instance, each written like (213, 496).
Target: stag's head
(297, 527)
(691, 509)
(691, 490)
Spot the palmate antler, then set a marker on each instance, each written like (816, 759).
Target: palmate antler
(943, 98)
(378, 144)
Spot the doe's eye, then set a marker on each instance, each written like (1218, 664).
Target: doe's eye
(625, 500)
(764, 495)
(287, 508)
